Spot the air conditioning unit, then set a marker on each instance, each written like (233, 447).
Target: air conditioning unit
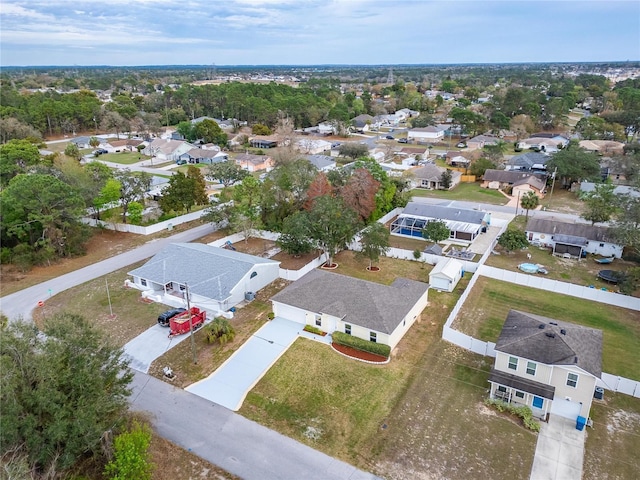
(248, 296)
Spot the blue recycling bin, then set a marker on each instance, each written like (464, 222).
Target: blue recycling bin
(580, 423)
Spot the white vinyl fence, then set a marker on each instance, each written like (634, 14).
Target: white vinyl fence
(137, 229)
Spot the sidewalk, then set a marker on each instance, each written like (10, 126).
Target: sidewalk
(559, 451)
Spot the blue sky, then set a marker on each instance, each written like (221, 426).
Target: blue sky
(307, 32)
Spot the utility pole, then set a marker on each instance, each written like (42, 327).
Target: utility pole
(193, 342)
(108, 297)
(553, 181)
(518, 204)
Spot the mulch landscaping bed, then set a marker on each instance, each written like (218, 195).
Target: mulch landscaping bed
(359, 354)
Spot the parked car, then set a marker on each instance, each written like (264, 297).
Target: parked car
(181, 161)
(390, 137)
(403, 140)
(461, 145)
(99, 152)
(163, 318)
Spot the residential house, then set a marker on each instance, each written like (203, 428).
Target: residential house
(263, 141)
(324, 128)
(408, 113)
(446, 275)
(167, 150)
(530, 161)
(480, 141)
(217, 278)
(203, 155)
(125, 145)
(505, 179)
(367, 310)
(549, 143)
(456, 160)
(572, 239)
(620, 190)
(81, 142)
(430, 177)
(323, 163)
(430, 134)
(548, 365)
(603, 147)
(414, 151)
(362, 123)
(464, 225)
(254, 163)
(312, 146)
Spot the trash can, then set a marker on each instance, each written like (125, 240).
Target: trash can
(580, 423)
(599, 393)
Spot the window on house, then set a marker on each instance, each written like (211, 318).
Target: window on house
(572, 380)
(519, 394)
(602, 244)
(253, 274)
(531, 368)
(319, 321)
(143, 282)
(513, 363)
(347, 329)
(373, 336)
(502, 389)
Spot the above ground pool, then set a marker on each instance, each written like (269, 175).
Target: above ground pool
(528, 267)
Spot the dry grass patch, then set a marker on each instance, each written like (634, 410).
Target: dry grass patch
(612, 446)
(390, 268)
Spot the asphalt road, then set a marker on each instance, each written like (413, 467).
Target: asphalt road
(21, 304)
(232, 442)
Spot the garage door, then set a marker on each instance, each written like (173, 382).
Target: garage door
(565, 408)
(289, 312)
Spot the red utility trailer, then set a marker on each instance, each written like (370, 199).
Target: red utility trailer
(180, 323)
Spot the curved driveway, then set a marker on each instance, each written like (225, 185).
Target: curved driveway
(22, 303)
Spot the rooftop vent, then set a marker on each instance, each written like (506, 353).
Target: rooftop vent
(541, 326)
(563, 331)
(550, 335)
(575, 360)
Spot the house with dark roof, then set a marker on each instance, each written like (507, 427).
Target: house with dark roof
(572, 239)
(367, 310)
(362, 123)
(548, 365)
(204, 155)
(217, 278)
(530, 161)
(430, 177)
(464, 225)
(263, 141)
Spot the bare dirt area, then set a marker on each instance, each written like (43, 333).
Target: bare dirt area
(267, 248)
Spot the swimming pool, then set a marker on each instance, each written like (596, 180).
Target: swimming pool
(528, 267)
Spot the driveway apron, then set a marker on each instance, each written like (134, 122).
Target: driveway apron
(230, 383)
(559, 451)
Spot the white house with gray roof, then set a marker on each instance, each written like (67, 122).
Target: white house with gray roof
(548, 365)
(217, 278)
(367, 310)
(464, 225)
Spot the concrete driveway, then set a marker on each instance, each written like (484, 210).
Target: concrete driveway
(149, 345)
(559, 451)
(230, 383)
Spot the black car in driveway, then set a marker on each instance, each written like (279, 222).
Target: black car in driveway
(163, 318)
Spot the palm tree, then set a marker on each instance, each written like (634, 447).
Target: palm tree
(529, 201)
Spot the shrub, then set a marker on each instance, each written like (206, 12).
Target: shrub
(312, 329)
(271, 315)
(220, 330)
(521, 411)
(360, 344)
(131, 457)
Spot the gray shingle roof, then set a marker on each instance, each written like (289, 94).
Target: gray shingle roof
(528, 160)
(508, 176)
(521, 335)
(210, 271)
(554, 226)
(433, 173)
(366, 304)
(444, 213)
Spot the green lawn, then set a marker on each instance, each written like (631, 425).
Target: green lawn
(124, 158)
(470, 192)
(486, 308)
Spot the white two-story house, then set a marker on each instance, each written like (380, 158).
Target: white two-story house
(546, 364)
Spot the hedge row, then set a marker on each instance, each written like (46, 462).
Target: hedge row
(360, 344)
(312, 329)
